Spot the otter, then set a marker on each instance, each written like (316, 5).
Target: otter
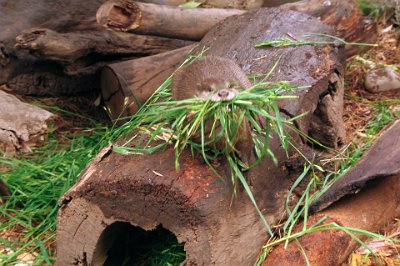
(217, 79)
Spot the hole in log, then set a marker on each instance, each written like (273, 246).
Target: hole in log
(124, 244)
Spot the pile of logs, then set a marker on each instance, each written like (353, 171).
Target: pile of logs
(126, 50)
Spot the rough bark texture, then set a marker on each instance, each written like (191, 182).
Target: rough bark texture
(317, 66)
(127, 85)
(161, 20)
(51, 40)
(375, 207)
(21, 124)
(381, 160)
(234, 38)
(377, 175)
(344, 16)
(192, 202)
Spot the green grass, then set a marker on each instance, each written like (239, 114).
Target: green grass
(384, 115)
(37, 181)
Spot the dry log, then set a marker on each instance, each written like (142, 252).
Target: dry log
(161, 20)
(192, 202)
(317, 66)
(238, 4)
(43, 49)
(372, 209)
(345, 16)
(133, 82)
(21, 125)
(377, 175)
(381, 160)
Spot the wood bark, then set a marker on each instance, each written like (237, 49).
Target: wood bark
(192, 202)
(161, 20)
(125, 86)
(377, 176)
(21, 125)
(372, 209)
(59, 42)
(321, 68)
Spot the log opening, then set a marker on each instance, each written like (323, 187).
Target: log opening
(124, 244)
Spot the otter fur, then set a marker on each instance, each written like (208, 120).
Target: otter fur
(218, 79)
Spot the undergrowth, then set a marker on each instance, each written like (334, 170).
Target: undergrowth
(37, 181)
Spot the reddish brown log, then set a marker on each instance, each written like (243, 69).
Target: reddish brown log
(127, 85)
(193, 203)
(377, 175)
(372, 209)
(161, 20)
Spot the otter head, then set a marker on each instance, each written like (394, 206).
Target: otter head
(215, 78)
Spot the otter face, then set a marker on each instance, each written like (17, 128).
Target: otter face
(217, 91)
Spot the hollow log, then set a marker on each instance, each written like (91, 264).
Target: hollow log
(42, 49)
(161, 20)
(192, 203)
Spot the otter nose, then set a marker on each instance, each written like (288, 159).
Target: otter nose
(223, 93)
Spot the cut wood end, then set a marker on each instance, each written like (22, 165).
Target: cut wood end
(119, 16)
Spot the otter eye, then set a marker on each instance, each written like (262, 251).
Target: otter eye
(230, 86)
(210, 89)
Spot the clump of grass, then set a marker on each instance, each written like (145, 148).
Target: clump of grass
(37, 182)
(201, 125)
(299, 213)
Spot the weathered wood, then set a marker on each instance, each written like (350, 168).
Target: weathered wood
(193, 203)
(381, 160)
(21, 125)
(372, 209)
(318, 66)
(374, 181)
(127, 85)
(344, 16)
(61, 38)
(161, 20)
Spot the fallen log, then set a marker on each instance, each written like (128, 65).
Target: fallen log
(381, 160)
(373, 184)
(372, 209)
(321, 68)
(133, 82)
(192, 202)
(42, 49)
(161, 20)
